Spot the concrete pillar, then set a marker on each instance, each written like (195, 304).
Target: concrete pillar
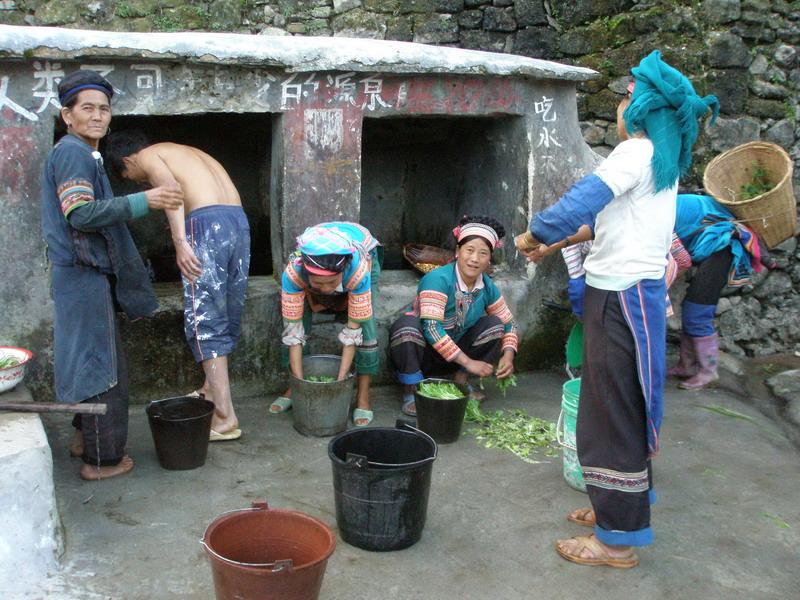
(316, 173)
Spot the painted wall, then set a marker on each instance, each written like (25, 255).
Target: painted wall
(506, 165)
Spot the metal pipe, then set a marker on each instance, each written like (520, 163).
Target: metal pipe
(54, 407)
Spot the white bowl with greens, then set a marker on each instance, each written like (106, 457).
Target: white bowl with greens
(12, 366)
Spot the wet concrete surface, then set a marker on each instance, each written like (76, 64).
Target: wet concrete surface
(727, 523)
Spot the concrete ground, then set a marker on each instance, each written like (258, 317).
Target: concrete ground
(727, 523)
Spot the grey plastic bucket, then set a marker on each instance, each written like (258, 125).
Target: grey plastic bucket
(321, 409)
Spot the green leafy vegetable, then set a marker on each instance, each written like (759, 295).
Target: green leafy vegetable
(759, 183)
(506, 382)
(8, 361)
(727, 412)
(440, 391)
(777, 520)
(321, 378)
(514, 430)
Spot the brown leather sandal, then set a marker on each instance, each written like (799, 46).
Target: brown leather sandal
(600, 556)
(581, 517)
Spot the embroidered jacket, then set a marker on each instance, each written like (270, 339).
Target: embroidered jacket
(356, 279)
(447, 309)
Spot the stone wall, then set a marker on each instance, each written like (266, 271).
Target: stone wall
(745, 51)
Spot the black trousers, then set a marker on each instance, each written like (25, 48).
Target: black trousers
(710, 278)
(412, 356)
(105, 436)
(611, 432)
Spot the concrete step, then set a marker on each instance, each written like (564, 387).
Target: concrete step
(31, 538)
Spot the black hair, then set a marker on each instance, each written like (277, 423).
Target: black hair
(330, 262)
(489, 221)
(122, 144)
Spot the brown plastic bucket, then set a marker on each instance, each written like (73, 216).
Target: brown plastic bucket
(268, 554)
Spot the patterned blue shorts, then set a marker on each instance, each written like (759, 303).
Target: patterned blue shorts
(220, 238)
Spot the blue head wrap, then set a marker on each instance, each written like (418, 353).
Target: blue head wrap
(665, 106)
(83, 79)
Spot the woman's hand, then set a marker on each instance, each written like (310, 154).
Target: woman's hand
(505, 368)
(188, 263)
(525, 242)
(479, 368)
(165, 197)
(538, 254)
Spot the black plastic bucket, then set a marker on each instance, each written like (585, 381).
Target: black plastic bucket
(381, 482)
(441, 419)
(180, 428)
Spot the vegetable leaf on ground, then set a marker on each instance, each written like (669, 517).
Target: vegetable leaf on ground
(514, 431)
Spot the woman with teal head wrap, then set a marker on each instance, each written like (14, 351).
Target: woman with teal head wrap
(666, 108)
(629, 203)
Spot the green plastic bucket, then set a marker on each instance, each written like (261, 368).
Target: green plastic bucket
(565, 430)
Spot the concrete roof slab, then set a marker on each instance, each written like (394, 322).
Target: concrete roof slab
(294, 53)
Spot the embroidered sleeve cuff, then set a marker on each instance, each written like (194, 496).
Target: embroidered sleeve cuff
(292, 305)
(447, 348)
(294, 334)
(510, 342)
(74, 193)
(138, 203)
(359, 306)
(679, 253)
(351, 337)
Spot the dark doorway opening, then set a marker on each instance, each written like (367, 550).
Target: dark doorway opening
(242, 144)
(421, 174)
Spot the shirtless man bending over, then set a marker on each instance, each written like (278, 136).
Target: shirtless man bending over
(212, 245)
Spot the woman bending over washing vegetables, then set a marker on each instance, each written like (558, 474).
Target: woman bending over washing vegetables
(335, 269)
(459, 320)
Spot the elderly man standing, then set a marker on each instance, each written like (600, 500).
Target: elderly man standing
(629, 201)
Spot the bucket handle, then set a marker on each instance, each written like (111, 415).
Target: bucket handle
(408, 425)
(560, 437)
(570, 374)
(405, 424)
(286, 564)
(357, 461)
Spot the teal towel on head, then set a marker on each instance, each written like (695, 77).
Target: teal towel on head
(665, 106)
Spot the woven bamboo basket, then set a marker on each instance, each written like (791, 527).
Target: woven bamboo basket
(772, 215)
(426, 258)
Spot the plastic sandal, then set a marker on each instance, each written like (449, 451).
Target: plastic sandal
(409, 407)
(362, 414)
(280, 404)
(216, 436)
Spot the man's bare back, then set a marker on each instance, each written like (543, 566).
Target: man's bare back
(203, 180)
